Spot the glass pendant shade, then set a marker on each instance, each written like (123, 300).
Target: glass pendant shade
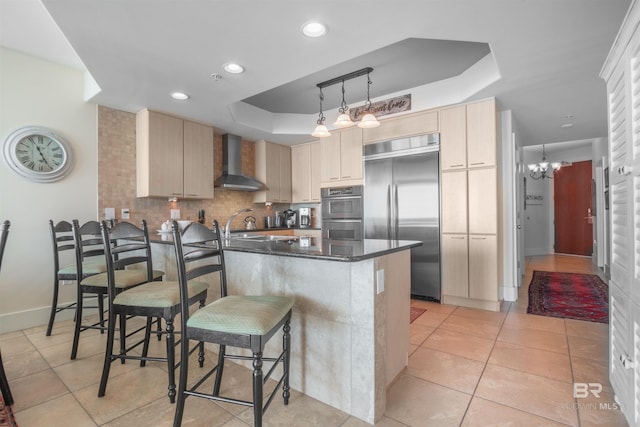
(321, 131)
(369, 121)
(343, 121)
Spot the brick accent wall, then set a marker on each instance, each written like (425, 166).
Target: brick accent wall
(117, 179)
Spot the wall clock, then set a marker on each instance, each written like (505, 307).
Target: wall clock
(38, 154)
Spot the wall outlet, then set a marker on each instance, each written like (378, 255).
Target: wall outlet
(380, 281)
(109, 213)
(175, 213)
(124, 213)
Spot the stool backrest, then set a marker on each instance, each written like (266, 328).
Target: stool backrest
(4, 234)
(88, 242)
(199, 251)
(62, 240)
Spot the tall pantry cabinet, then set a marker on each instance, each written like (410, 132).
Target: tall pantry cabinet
(471, 250)
(621, 71)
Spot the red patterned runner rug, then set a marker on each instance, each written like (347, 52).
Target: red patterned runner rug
(569, 296)
(415, 313)
(6, 415)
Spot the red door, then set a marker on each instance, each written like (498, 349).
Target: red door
(572, 188)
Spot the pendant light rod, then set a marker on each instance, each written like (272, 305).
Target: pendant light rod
(344, 77)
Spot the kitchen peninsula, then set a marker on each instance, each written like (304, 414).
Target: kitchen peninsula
(350, 325)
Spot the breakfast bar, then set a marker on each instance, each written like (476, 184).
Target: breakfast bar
(350, 324)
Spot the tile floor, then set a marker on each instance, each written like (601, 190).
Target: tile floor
(466, 368)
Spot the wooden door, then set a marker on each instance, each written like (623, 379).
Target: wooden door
(330, 158)
(300, 176)
(198, 160)
(453, 138)
(572, 187)
(351, 154)
(481, 134)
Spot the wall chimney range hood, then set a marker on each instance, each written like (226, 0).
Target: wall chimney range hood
(232, 177)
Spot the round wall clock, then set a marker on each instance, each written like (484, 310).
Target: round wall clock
(37, 153)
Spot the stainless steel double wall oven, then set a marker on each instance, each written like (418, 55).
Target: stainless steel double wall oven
(342, 213)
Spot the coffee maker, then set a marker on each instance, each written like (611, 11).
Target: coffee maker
(305, 217)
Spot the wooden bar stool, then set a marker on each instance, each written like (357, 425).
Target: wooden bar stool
(4, 382)
(241, 321)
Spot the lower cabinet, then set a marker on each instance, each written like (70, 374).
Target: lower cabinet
(455, 265)
(483, 267)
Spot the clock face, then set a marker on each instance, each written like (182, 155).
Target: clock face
(37, 153)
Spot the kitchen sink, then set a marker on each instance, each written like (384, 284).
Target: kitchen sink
(262, 237)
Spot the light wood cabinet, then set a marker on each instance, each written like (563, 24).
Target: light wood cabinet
(453, 138)
(482, 133)
(273, 167)
(483, 267)
(455, 265)
(402, 127)
(341, 158)
(174, 157)
(453, 187)
(305, 173)
(483, 201)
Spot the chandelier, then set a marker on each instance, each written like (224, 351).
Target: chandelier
(543, 169)
(368, 120)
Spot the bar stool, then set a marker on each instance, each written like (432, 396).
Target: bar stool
(246, 322)
(4, 382)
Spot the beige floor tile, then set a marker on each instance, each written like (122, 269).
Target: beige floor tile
(59, 354)
(484, 413)
(591, 371)
(538, 362)
(467, 325)
(124, 394)
(434, 307)
(591, 330)
(11, 335)
(600, 411)
(416, 402)
(532, 338)
(529, 393)
(429, 318)
(16, 345)
(538, 323)
(446, 369)
(234, 422)
(66, 410)
(197, 412)
(382, 422)
(588, 348)
(484, 315)
(464, 345)
(35, 389)
(419, 333)
(22, 364)
(301, 411)
(83, 372)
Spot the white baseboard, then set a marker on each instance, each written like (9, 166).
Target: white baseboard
(509, 293)
(537, 251)
(19, 320)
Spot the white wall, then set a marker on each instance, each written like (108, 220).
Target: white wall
(509, 285)
(38, 92)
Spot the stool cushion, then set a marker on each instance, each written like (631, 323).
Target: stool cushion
(158, 294)
(88, 267)
(242, 314)
(124, 278)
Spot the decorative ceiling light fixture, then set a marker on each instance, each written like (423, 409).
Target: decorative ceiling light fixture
(321, 130)
(344, 119)
(541, 169)
(368, 120)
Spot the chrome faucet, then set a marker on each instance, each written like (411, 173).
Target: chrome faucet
(227, 228)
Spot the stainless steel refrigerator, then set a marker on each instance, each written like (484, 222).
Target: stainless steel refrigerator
(401, 202)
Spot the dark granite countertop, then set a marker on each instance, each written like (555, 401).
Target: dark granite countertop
(311, 247)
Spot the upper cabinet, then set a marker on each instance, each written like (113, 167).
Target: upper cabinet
(305, 173)
(468, 135)
(174, 157)
(341, 158)
(402, 127)
(273, 167)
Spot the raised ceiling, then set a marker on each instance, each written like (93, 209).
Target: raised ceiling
(543, 65)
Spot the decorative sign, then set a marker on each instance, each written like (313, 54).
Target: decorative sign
(533, 199)
(382, 108)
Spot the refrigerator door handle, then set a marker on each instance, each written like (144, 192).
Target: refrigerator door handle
(389, 213)
(395, 213)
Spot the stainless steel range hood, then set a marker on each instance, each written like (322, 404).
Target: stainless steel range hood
(232, 177)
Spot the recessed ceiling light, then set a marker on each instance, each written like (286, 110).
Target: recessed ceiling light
(314, 29)
(566, 125)
(180, 96)
(233, 68)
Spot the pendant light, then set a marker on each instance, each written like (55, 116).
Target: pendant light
(321, 130)
(369, 119)
(541, 170)
(343, 119)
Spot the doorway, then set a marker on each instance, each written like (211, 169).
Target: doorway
(573, 209)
